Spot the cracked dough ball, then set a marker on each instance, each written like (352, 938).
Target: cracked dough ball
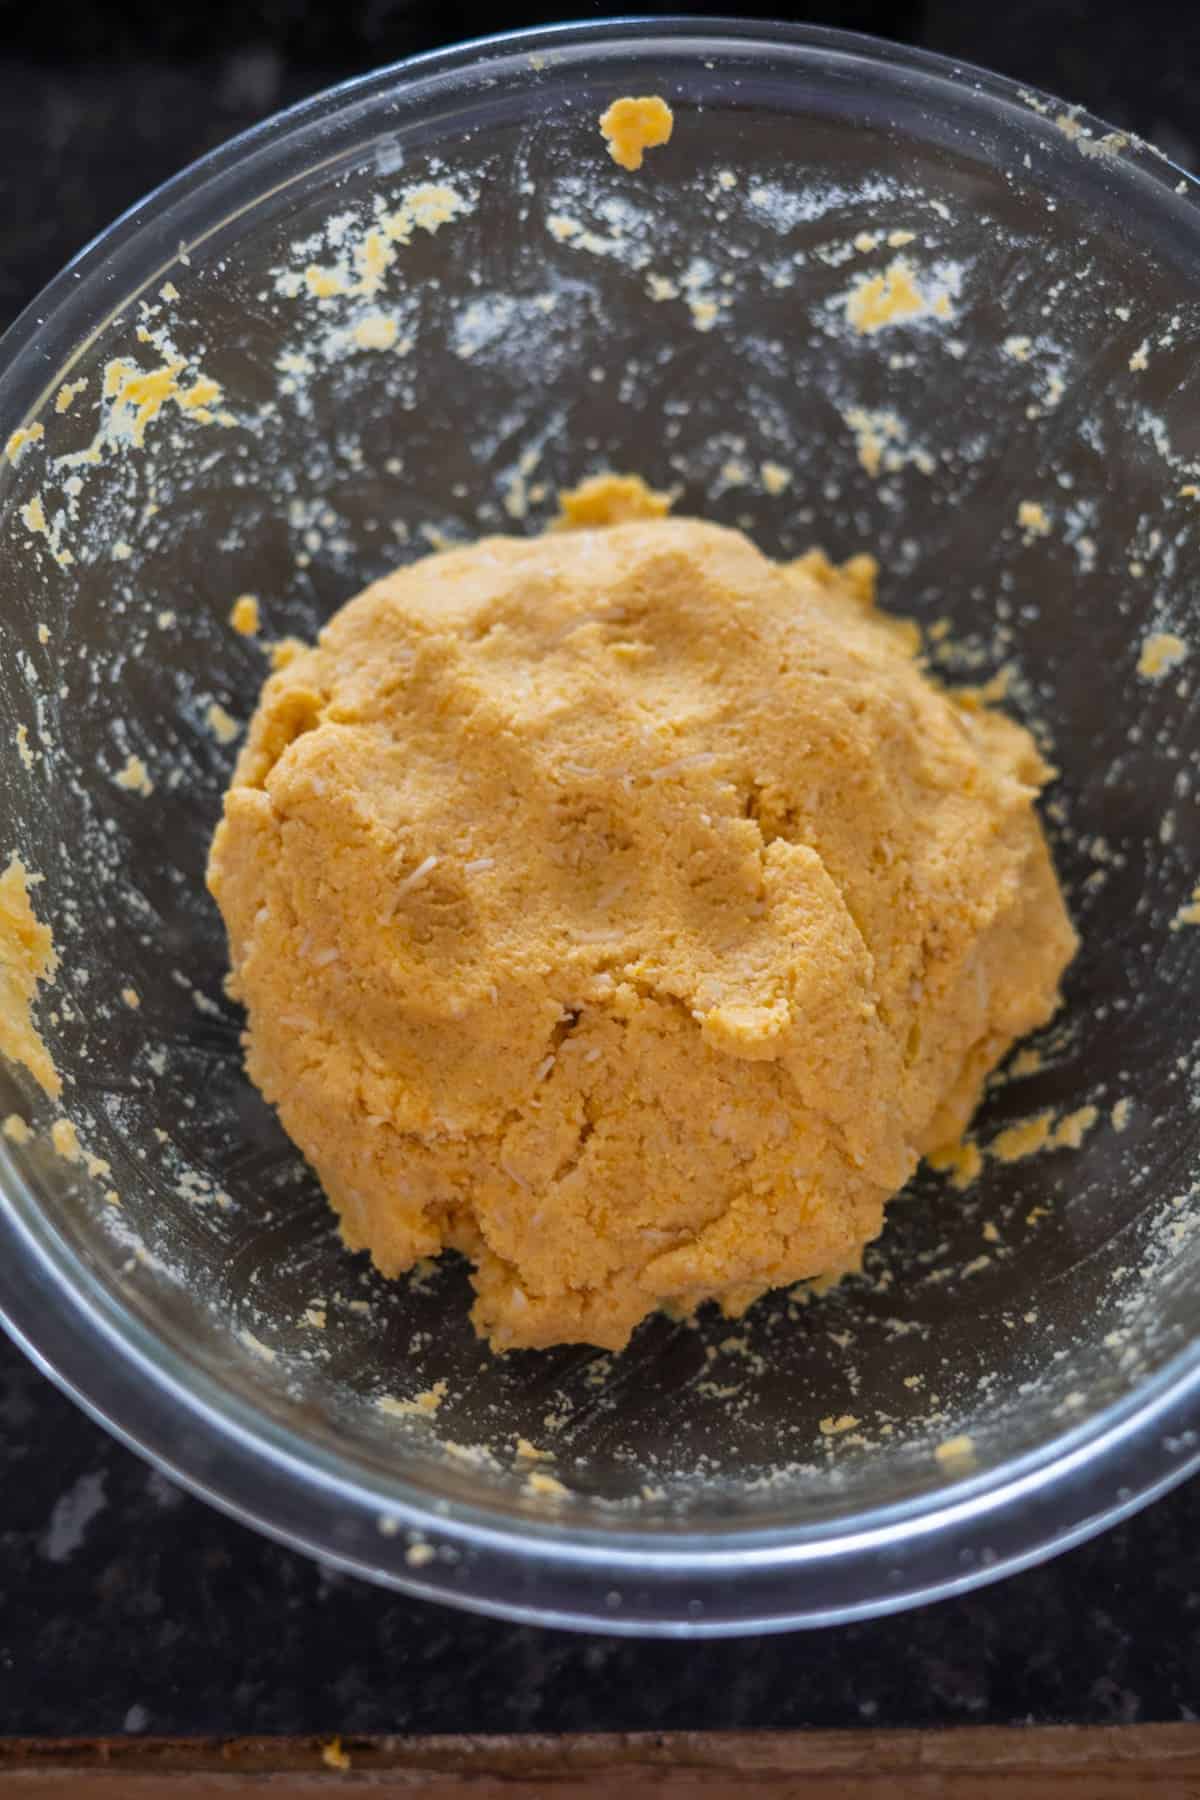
(630, 913)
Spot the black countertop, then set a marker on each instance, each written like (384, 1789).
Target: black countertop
(126, 1606)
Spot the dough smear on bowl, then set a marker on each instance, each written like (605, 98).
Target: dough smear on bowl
(630, 913)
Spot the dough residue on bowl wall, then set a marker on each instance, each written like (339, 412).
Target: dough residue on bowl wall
(631, 126)
(27, 960)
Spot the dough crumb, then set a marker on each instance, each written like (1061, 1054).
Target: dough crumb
(956, 1452)
(21, 440)
(1161, 652)
(774, 477)
(876, 302)
(609, 500)
(67, 395)
(131, 998)
(223, 726)
(333, 1756)
(548, 1486)
(1033, 519)
(1071, 1130)
(134, 777)
(833, 1427)
(961, 1161)
(419, 1554)
(421, 1406)
(1189, 912)
(1039, 1133)
(1016, 1142)
(285, 650)
(528, 1452)
(65, 1140)
(244, 615)
(378, 331)
(16, 1130)
(1121, 1114)
(633, 126)
(27, 959)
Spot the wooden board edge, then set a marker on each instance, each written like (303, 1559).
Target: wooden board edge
(1029, 1762)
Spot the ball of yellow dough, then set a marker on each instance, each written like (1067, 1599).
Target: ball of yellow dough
(630, 913)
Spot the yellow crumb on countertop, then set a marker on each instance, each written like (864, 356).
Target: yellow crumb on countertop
(333, 1756)
(27, 958)
(633, 126)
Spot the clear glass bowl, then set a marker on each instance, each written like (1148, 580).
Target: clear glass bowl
(1018, 450)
